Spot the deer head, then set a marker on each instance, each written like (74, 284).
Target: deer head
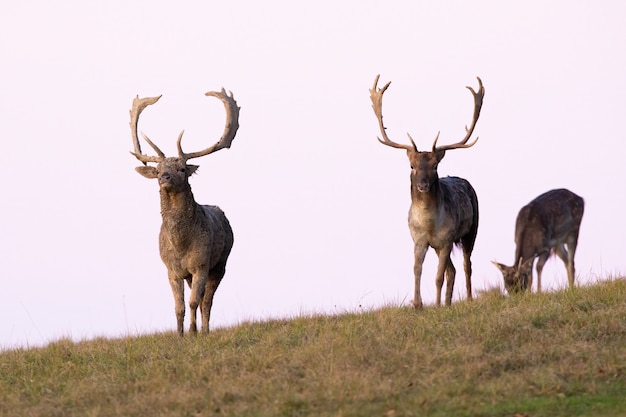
(424, 163)
(516, 277)
(173, 172)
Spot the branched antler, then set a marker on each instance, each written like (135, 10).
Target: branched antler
(376, 95)
(139, 104)
(478, 103)
(230, 129)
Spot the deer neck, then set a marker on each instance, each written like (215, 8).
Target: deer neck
(426, 200)
(179, 211)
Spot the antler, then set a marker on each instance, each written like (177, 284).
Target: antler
(376, 95)
(478, 102)
(230, 129)
(139, 104)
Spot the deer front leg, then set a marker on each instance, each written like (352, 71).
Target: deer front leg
(207, 303)
(195, 298)
(540, 263)
(215, 277)
(178, 289)
(419, 252)
(444, 260)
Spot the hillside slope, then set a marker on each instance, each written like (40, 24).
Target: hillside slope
(554, 354)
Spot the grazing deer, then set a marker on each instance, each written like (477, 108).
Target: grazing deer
(195, 240)
(544, 226)
(443, 211)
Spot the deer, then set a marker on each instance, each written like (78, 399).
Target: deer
(195, 240)
(544, 227)
(443, 211)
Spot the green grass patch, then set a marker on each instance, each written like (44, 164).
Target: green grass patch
(553, 354)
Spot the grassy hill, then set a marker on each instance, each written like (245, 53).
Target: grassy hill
(554, 354)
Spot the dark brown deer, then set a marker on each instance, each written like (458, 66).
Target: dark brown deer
(443, 211)
(195, 240)
(544, 226)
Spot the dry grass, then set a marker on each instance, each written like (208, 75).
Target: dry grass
(555, 354)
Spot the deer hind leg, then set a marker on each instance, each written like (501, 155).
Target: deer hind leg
(563, 254)
(525, 276)
(178, 290)
(571, 272)
(467, 266)
(450, 278)
(541, 261)
(419, 253)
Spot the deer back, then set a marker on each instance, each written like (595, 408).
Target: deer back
(550, 219)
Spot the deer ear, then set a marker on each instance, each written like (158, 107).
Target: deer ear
(439, 155)
(147, 171)
(191, 169)
(500, 266)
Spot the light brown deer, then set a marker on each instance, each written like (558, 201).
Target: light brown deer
(544, 226)
(195, 240)
(443, 211)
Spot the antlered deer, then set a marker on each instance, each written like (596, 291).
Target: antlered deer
(195, 240)
(544, 226)
(443, 211)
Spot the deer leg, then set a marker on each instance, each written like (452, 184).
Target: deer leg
(571, 273)
(561, 252)
(563, 255)
(215, 277)
(467, 266)
(178, 289)
(207, 303)
(419, 254)
(197, 292)
(450, 277)
(444, 259)
(527, 279)
(540, 263)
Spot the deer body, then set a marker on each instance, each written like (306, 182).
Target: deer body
(443, 211)
(182, 256)
(195, 240)
(446, 215)
(194, 243)
(430, 213)
(544, 226)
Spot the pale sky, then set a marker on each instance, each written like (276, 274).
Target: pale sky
(318, 206)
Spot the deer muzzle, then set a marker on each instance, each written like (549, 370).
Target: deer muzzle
(164, 178)
(423, 187)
